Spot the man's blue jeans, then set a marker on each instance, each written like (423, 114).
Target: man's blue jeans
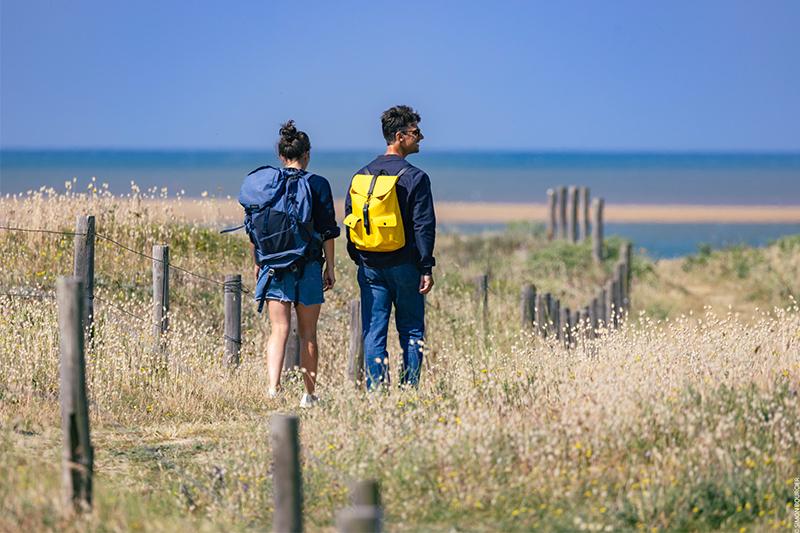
(380, 288)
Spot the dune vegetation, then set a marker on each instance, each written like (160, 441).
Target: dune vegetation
(686, 418)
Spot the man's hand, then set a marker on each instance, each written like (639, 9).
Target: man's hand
(425, 283)
(258, 269)
(328, 278)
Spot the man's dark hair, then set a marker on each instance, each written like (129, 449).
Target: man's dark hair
(292, 144)
(396, 119)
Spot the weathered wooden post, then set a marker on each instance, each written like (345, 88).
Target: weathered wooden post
(365, 492)
(572, 214)
(612, 289)
(482, 299)
(620, 272)
(597, 230)
(619, 278)
(564, 326)
(605, 305)
(542, 307)
(552, 219)
(360, 519)
(78, 454)
(586, 323)
(562, 212)
(365, 514)
(233, 319)
(84, 267)
(528, 303)
(291, 353)
(594, 316)
(584, 213)
(160, 292)
(555, 317)
(627, 255)
(355, 352)
(287, 482)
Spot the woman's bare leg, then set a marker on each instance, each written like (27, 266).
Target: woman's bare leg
(307, 317)
(280, 314)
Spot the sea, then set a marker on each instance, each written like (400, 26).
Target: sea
(489, 176)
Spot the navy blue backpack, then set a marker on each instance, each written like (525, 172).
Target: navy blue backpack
(278, 219)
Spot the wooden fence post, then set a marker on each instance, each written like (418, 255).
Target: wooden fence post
(597, 230)
(562, 212)
(572, 214)
(542, 306)
(552, 219)
(78, 454)
(627, 256)
(620, 272)
(287, 482)
(359, 519)
(365, 492)
(584, 213)
(160, 292)
(233, 319)
(605, 305)
(482, 299)
(555, 317)
(564, 326)
(528, 303)
(84, 267)
(594, 317)
(619, 279)
(365, 514)
(291, 353)
(586, 322)
(355, 353)
(613, 308)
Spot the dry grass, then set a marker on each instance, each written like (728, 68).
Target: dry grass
(688, 422)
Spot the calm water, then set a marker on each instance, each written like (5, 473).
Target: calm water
(670, 240)
(690, 178)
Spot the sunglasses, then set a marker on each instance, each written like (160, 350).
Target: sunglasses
(415, 132)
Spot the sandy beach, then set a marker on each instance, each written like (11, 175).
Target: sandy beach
(488, 213)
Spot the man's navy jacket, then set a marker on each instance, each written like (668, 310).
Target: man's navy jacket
(416, 208)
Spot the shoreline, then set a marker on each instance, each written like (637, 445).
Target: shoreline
(449, 212)
(499, 212)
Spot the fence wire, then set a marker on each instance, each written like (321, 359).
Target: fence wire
(127, 248)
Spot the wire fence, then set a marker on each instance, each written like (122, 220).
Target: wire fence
(38, 294)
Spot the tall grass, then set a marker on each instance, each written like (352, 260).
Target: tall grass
(680, 421)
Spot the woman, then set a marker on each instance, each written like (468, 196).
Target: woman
(305, 290)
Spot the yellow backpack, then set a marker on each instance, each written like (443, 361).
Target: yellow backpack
(375, 223)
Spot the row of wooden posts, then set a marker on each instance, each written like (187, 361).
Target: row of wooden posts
(543, 313)
(568, 217)
(364, 515)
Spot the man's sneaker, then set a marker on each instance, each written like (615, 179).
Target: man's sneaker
(308, 400)
(272, 393)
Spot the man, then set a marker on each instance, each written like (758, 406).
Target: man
(404, 276)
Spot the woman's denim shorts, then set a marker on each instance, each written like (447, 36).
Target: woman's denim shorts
(309, 287)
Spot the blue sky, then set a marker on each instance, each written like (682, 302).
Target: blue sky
(572, 75)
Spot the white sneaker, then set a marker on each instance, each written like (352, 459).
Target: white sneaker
(308, 400)
(272, 394)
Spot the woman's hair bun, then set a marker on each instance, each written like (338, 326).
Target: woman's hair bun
(293, 143)
(288, 130)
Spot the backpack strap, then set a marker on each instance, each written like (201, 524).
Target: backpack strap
(259, 168)
(261, 295)
(229, 230)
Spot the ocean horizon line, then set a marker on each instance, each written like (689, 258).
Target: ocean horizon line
(454, 151)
